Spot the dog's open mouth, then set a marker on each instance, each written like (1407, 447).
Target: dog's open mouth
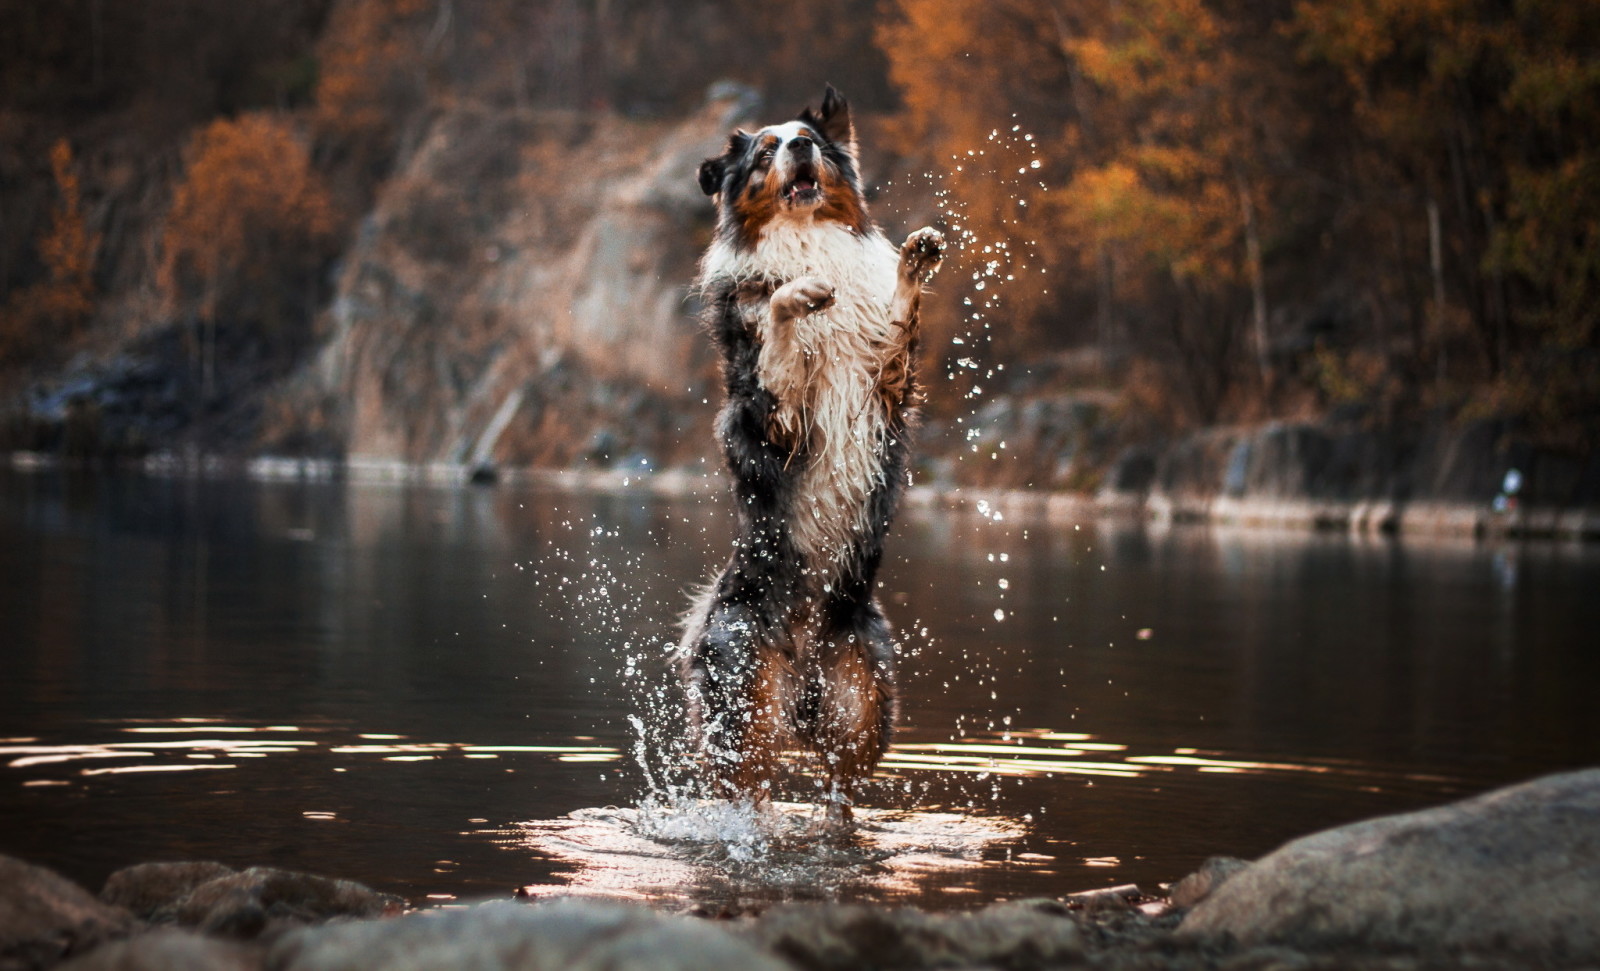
(804, 188)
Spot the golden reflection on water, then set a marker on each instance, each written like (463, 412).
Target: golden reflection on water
(1042, 752)
(1014, 753)
(154, 750)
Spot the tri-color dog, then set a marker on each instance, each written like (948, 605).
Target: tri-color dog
(816, 315)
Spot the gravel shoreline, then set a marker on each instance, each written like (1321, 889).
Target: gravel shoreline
(1509, 879)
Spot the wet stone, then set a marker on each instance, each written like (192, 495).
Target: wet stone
(150, 888)
(570, 934)
(44, 917)
(260, 900)
(1200, 884)
(1023, 934)
(822, 937)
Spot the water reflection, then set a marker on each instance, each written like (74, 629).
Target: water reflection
(271, 740)
(731, 858)
(376, 681)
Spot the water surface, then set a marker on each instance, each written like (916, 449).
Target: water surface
(429, 689)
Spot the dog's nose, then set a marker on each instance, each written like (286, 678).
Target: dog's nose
(800, 145)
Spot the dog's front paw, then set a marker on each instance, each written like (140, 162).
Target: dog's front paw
(802, 296)
(921, 254)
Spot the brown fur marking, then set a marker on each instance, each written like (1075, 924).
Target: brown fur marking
(840, 203)
(849, 736)
(758, 205)
(767, 733)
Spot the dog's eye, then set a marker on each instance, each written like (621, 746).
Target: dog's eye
(765, 156)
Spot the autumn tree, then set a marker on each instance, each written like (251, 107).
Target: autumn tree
(372, 71)
(988, 100)
(54, 308)
(1155, 137)
(250, 226)
(1197, 138)
(1474, 166)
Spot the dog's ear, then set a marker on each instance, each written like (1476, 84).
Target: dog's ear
(713, 170)
(711, 175)
(833, 120)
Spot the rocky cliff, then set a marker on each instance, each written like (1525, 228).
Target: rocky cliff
(521, 295)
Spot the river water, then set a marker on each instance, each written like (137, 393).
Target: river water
(434, 690)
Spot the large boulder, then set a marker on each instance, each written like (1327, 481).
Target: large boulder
(1515, 873)
(571, 934)
(44, 917)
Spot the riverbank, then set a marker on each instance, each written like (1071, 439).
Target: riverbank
(1360, 517)
(1510, 879)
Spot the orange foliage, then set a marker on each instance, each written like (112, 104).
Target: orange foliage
(58, 305)
(1178, 145)
(250, 213)
(1142, 169)
(370, 63)
(986, 95)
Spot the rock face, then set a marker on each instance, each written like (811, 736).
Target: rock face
(569, 934)
(45, 917)
(520, 294)
(1515, 873)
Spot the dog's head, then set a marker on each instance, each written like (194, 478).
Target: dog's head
(802, 170)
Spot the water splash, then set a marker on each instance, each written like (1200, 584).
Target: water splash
(732, 856)
(991, 255)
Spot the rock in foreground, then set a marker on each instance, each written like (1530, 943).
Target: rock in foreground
(1515, 873)
(241, 904)
(44, 917)
(149, 890)
(169, 950)
(834, 937)
(570, 934)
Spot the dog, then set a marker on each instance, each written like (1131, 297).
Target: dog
(815, 314)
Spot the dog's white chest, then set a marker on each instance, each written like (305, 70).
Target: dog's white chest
(824, 369)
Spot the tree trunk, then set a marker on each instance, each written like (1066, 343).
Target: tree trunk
(1258, 287)
(1436, 265)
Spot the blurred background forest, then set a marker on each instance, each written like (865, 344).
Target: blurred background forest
(1356, 235)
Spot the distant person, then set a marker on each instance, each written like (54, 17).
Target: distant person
(1506, 501)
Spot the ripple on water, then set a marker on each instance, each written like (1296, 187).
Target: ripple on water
(732, 856)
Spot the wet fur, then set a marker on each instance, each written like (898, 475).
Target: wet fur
(816, 315)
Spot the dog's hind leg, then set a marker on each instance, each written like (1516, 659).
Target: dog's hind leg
(741, 701)
(851, 707)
